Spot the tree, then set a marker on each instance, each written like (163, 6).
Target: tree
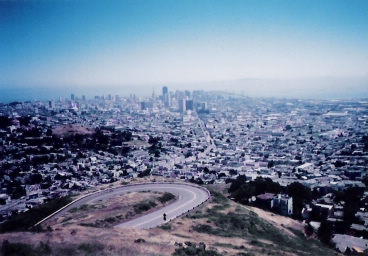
(18, 192)
(288, 127)
(233, 172)
(352, 196)
(49, 132)
(237, 183)
(35, 179)
(365, 180)
(243, 194)
(324, 232)
(300, 195)
(153, 140)
(271, 164)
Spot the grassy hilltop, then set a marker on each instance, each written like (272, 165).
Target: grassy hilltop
(219, 227)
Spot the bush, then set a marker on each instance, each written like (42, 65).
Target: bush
(195, 250)
(203, 228)
(140, 240)
(166, 226)
(110, 220)
(143, 206)
(166, 197)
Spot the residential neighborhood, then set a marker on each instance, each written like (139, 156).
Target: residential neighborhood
(57, 148)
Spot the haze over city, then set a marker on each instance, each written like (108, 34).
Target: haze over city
(283, 48)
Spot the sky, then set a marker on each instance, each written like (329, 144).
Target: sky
(85, 43)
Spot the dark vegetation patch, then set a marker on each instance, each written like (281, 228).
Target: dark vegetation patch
(84, 207)
(23, 221)
(195, 249)
(144, 206)
(166, 197)
(166, 226)
(43, 249)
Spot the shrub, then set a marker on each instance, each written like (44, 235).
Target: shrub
(140, 240)
(166, 226)
(166, 197)
(144, 206)
(110, 219)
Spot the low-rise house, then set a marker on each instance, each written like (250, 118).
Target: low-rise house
(265, 200)
(283, 204)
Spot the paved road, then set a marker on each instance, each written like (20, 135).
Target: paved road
(189, 197)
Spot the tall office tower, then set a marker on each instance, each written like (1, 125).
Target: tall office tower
(153, 93)
(189, 105)
(182, 106)
(204, 105)
(167, 99)
(146, 104)
(72, 96)
(187, 94)
(165, 90)
(83, 97)
(109, 96)
(60, 99)
(51, 104)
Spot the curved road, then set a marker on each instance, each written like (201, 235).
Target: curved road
(190, 196)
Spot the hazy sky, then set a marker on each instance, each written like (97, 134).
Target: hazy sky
(89, 42)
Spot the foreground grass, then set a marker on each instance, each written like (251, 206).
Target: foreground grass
(43, 249)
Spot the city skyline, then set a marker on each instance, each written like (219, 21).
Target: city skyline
(140, 44)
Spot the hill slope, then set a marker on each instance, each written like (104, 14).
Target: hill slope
(219, 227)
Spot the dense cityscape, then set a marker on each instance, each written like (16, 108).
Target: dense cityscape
(306, 159)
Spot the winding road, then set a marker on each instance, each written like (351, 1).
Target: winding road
(189, 197)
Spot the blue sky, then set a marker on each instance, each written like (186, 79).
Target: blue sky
(90, 42)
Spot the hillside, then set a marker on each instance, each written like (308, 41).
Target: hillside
(219, 227)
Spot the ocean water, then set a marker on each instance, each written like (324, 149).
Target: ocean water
(21, 94)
